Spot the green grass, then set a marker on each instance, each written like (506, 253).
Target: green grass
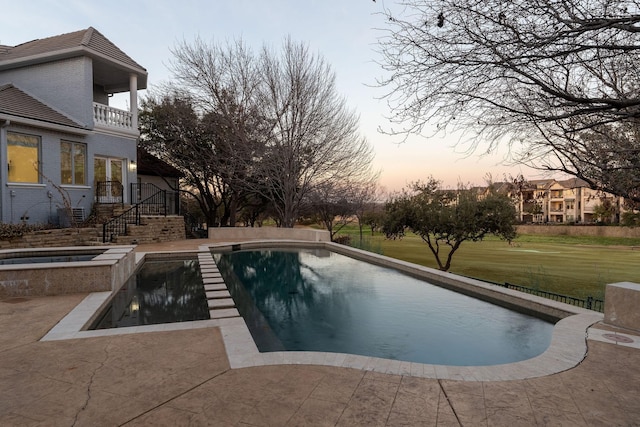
(570, 265)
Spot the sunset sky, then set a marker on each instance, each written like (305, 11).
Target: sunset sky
(343, 32)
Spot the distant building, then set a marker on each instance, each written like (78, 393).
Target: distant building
(560, 201)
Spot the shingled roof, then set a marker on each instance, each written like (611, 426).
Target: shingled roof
(89, 41)
(17, 104)
(148, 164)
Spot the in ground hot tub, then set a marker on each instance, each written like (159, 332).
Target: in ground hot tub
(57, 271)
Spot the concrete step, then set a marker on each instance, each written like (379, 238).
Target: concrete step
(219, 301)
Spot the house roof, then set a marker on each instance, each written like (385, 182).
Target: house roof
(88, 42)
(18, 105)
(574, 183)
(542, 183)
(148, 164)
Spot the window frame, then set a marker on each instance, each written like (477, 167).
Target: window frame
(38, 147)
(73, 145)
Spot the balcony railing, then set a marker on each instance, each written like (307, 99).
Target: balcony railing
(112, 117)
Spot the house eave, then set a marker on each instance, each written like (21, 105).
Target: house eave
(43, 125)
(115, 131)
(72, 53)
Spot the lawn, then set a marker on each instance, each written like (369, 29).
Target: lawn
(568, 265)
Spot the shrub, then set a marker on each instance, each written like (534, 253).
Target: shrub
(343, 240)
(631, 219)
(10, 231)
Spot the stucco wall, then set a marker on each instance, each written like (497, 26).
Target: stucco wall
(66, 84)
(39, 202)
(251, 233)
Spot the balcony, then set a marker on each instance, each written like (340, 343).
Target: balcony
(113, 119)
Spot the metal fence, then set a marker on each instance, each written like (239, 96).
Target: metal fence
(165, 202)
(109, 192)
(590, 303)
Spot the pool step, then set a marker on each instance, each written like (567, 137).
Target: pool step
(221, 305)
(218, 294)
(215, 287)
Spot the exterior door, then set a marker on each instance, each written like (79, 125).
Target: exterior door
(109, 179)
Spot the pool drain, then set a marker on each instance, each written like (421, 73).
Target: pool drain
(618, 338)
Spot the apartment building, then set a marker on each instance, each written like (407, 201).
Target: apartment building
(564, 201)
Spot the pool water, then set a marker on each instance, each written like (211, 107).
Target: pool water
(316, 300)
(164, 291)
(30, 258)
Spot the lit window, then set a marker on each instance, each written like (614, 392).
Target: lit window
(73, 162)
(23, 155)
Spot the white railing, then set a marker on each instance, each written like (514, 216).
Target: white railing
(112, 117)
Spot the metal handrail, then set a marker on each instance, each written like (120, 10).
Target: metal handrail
(118, 225)
(154, 198)
(109, 192)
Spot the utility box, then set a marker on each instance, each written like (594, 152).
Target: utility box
(621, 304)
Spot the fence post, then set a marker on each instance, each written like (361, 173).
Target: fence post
(164, 201)
(589, 302)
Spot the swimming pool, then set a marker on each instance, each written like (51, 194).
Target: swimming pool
(161, 291)
(317, 300)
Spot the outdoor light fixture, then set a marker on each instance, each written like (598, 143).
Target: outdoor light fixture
(134, 306)
(133, 166)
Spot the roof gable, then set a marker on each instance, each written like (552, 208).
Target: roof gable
(17, 103)
(574, 183)
(89, 41)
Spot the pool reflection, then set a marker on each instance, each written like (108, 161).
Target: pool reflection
(160, 292)
(322, 301)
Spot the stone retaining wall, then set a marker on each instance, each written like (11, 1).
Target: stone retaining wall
(154, 229)
(54, 238)
(580, 230)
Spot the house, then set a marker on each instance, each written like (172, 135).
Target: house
(63, 145)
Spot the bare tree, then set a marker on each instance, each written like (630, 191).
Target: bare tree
(314, 139)
(224, 80)
(172, 130)
(367, 197)
(557, 77)
(279, 127)
(338, 203)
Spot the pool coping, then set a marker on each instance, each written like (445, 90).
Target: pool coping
(108, 255)
(567, 349)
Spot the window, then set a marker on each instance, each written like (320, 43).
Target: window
(23, 156)
(73, 161)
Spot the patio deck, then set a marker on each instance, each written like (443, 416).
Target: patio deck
(184, 378)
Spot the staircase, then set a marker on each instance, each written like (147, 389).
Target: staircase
(143, 222)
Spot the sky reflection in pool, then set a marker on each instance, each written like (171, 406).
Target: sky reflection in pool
(316, 300)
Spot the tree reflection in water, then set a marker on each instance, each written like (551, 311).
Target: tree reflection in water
(161, 292)
(274, 290)
(321, 301)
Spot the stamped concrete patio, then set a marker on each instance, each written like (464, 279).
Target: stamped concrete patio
(184, 378)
